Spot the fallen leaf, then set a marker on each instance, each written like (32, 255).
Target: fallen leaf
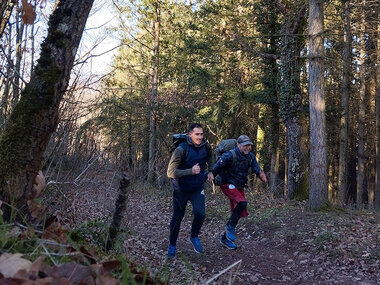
(10, 264)
(36, 210)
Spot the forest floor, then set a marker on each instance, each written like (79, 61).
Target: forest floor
(278, 243)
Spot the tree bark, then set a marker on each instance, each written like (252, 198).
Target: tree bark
(377, 187)
(290, 97)
(35, 117)
(343, 134)
(19, 51)
(8, 82)
(362, 109)
(318, 155)
(120, 206)
(154, 88)
(6, 7)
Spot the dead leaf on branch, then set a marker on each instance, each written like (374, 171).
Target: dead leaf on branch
(28, 13)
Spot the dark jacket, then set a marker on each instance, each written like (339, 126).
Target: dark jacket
(236, 172)
(179, 167)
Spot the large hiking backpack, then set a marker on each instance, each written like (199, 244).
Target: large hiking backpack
(180, 138)
(177, 140)
(222, 147)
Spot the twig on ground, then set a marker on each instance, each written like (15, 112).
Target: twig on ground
(224, 271)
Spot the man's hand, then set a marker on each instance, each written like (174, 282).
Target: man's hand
(262, 176)
(196, 169)
(210, 177)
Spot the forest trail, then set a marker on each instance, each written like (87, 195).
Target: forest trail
(279, 243)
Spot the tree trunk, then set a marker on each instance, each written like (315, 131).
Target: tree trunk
(154, 88)
(290, 98)
(35, 117)
(275, 152)
(19, 51)
(377, 187)
(7, 88)
(120, 206)
(362, 108)
(6, 7)
(343, 135)
(318, 155)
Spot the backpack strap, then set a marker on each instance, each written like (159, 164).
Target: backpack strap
(185, 147)
(234, 157)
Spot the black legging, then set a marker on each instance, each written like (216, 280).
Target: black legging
(180, 199)
(236, 213)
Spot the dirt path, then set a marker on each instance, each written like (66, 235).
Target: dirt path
(278, 243)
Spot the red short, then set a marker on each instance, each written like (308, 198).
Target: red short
(235, 195)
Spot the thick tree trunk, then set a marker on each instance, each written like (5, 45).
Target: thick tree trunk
(290, 97)
(291, 106)
(362, 110)
(35, 117)
(343, 135)
(154, 88)
(318, 155)
(295, 157)
(377, 187)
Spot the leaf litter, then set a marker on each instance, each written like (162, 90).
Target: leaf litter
(280, 242)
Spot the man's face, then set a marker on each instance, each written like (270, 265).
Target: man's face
(196, 136)
(244, 148)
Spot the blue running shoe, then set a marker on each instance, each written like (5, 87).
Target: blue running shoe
(230, 233)
(226, 242)
(196, 244)
(171, 251)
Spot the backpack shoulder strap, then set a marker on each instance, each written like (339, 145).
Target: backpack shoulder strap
(233, 155)
(249, 159)
(232, 151)
(185, 147)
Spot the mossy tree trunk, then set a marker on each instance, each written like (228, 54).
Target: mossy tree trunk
(290, 97)
(35, 117)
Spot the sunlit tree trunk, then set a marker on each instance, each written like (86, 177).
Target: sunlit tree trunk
(19, 52)
(35, 117)
(6, 8)
(343, 135)
(318, 154)
(154, 89)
